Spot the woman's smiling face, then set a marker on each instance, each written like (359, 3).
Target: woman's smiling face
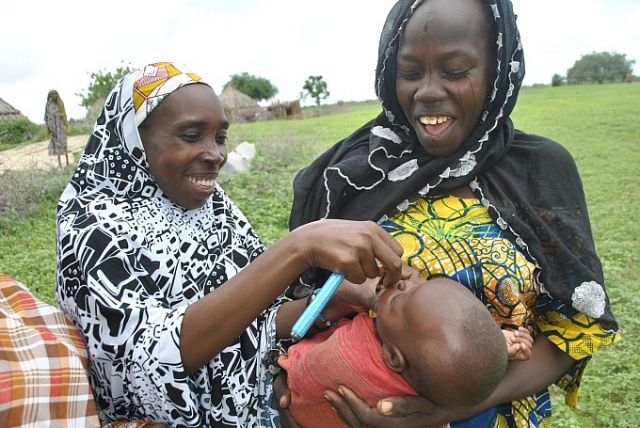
(445, 64)
(185, 142)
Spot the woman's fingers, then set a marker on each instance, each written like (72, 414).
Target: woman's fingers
(388, 255)
(405, 405)
(403, 411)
(281, 391)
(283, 399)
(346, 408)
(353, 248)
(379, 253)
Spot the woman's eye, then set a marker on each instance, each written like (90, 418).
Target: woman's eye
(408, 75)
(191, 138)
(457, 74)
(221, 139)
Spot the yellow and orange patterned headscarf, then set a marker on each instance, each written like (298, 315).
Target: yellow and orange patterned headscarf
(155, 82)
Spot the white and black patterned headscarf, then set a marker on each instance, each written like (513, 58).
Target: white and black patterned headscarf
(114, 162)
(530, 184)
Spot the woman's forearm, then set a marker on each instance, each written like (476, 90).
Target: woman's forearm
(524, 378)
(216, 320)
(288, 314)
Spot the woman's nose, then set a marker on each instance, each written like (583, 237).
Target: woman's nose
(213, 153)
(430, 89)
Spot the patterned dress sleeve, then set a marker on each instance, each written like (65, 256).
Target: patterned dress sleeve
(576, 334)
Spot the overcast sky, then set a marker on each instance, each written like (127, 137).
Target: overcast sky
(47, 44)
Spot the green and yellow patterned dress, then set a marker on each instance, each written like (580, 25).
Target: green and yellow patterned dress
(456, 238)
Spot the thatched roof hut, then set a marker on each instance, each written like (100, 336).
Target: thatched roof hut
(7, 112)
(240, 107)
(286, 110)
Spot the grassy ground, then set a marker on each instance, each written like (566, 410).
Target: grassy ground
(598, 124)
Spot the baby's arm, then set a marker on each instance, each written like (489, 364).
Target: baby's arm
(519, 343)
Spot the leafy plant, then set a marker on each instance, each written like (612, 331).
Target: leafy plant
(14, 132)
(102, 82)
(316, 88)
(557, 80)
(600, 67)
(257, 88)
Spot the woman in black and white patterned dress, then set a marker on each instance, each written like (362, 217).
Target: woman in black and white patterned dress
(171, 288)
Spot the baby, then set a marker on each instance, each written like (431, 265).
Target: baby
(433, 338)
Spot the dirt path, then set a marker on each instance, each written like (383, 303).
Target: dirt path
(36, 155)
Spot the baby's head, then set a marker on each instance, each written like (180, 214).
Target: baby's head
(442, 340)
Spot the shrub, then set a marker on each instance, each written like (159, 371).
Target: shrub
(14, 132)
(557, 80)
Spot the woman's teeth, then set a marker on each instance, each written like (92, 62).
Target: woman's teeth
(201, 182)
(433, 120)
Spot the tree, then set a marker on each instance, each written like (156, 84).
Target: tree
(600, 67)
(257, 88)
(557, 80)
(102, 82)
(315, 88)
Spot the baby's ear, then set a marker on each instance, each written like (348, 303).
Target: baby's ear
(393, 358)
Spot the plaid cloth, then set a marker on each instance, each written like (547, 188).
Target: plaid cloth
(43, 365)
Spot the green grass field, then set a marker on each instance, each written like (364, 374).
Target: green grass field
(599, 124)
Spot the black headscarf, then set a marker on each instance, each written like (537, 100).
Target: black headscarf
(530, 184)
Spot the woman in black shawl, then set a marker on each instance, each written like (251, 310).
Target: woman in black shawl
(471, 198)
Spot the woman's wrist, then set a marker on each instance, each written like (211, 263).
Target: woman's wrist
(297, 244)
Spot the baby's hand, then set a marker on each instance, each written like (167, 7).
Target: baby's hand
(519, 343)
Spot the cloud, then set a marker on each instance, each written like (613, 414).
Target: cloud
(53, 45)
(555, 34)
(24, 63)
(284, 41)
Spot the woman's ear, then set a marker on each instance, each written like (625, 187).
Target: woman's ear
(393, 358)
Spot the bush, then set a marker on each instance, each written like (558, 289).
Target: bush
(102, 82)
(14, 132)
(557, 80)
